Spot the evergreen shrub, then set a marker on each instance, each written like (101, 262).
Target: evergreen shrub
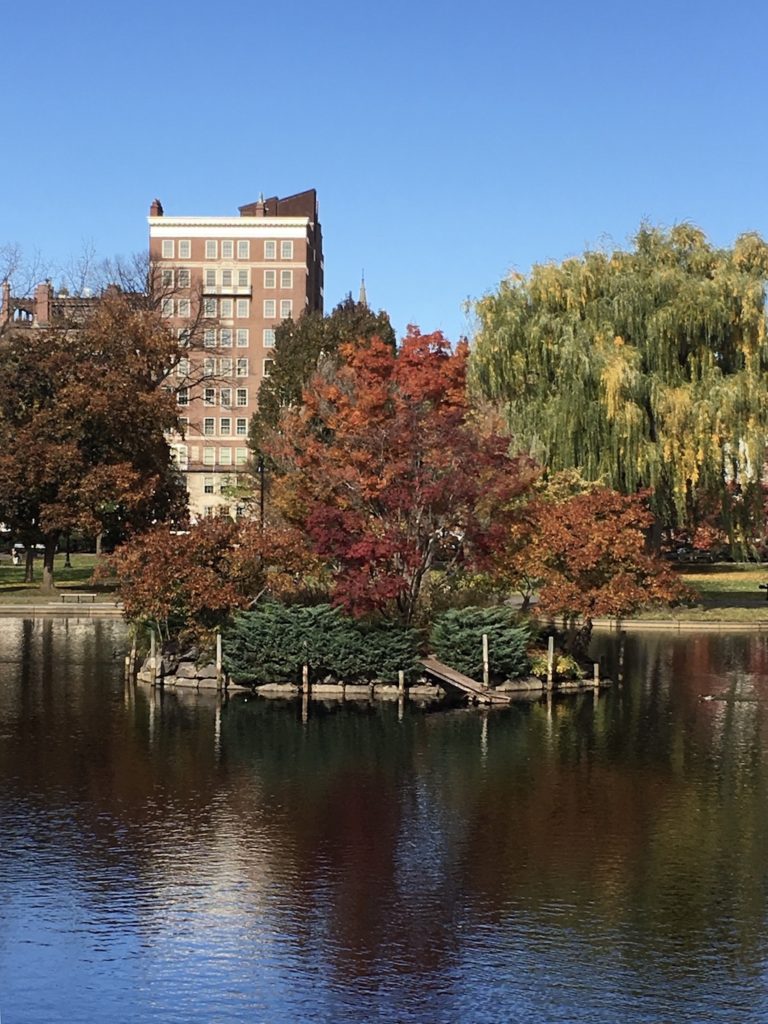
(457, 640)
(271, 644)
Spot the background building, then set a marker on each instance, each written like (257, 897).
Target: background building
(227, 282)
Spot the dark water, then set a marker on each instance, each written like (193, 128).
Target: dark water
(171, 860)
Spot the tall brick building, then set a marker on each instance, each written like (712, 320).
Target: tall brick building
(235, 279)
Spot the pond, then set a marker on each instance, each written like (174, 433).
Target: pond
(169, 858)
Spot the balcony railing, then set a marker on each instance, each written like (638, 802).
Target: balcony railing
(243, 291)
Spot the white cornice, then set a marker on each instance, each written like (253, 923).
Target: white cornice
(228, 223)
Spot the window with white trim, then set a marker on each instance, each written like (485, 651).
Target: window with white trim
(167, 307)
(209, 456)
(167, 248)
(286, 279)
(184, 307)
(270, 278)
(182, 367)
(185, 249)
(226, 278)
(270, 250)
(225, 397)
(225, 367)
(243, 249)
(211, 249)
(185, 336)
(242, 367)
(227, 250)
(225, 456)
(225, 426)
(286, 250)
(180, 454)
(182, 277)
(208, 485)
(209, 367)
(209, 510)
(182, 396)
(209, 307)
(183, 425)
(286, 308)
(269, 337)
(166, 278)
(209, 396)
(241, 456)
(269, 309)
(210, 279)
(268, 364)
(225, 308)
(243, 309)
(209, 337)
(242, 396)
(241, 426)
(242, 337)
(226, 337)
(242, 279)
(209, 426)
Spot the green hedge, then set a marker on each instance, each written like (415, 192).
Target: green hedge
(273, 642)
(457, 640)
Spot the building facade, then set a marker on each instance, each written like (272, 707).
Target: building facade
(226, 283)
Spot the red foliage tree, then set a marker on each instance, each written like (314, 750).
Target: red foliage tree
(385, 470)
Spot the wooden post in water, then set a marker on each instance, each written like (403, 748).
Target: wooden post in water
(219, 675)
(622, 641)
(486, 668)
(305, 679)
(153, 656)
(550, 662)
(596, 677)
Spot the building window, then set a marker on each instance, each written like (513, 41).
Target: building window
(211, 250)
(269, 337)
(243, 250)
(226, 337)
(226, 278)
(242, 396)
(209, 307)
(209, 337)
(225, 397)
(183, 307)
(180, 455)
(182, 367)
(227, 250)
(182, 277)
(208, 485)
(286, 308)
(269, 309)
(242, 426)
(242, 337)
(209, 426)
(209, 456)
(167, 307)
(243, 309)
(268, 364)
(185, 249)
(225, 367)
(270, 278)
(242, 367)
(209, 367)
(241, 456)
(182, 396)
(167, 248)
(242, 279)
(184, 336)
(270, 250)
(209, 396)
(226, 308)
(210, 279)
(208, 510)
(286, 279)
(286, 250)
(225, 426)
(225, 456)
(166, 278)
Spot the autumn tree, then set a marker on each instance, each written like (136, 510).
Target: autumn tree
(587, 555)
(83, 416)
(300, 344)
(642, 368)
(385, 470)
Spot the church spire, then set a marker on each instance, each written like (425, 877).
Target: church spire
(363, 300)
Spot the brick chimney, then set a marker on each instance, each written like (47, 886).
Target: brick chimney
(43, 303)
(156, 209)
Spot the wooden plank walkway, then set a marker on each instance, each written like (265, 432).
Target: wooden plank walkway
(455, 682)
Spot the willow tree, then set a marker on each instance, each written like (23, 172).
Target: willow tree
(641, 368)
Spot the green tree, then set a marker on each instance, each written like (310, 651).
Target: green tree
(640, 368)
(300, 345)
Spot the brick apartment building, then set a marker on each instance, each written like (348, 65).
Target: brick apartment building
(235, 279)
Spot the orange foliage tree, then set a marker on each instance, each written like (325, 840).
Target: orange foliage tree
(386, 472)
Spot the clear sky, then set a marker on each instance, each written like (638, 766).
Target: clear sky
(449, 143)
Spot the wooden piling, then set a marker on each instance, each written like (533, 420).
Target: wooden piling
(486, 666)
(219, 674)
(550, 662)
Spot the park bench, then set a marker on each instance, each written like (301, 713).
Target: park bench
(77, 596)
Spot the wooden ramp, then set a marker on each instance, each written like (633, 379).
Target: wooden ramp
(455, 682)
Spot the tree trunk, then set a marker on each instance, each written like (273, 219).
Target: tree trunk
(51, 540)
(98, 544)
(29, 564)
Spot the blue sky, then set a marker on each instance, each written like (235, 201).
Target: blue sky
(449, 143)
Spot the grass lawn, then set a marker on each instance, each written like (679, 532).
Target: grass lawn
(13, 589)
(726, 592)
